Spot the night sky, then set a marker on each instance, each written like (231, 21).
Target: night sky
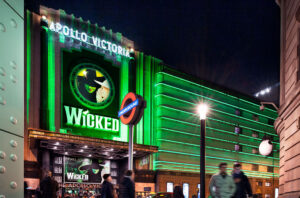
(235, 44)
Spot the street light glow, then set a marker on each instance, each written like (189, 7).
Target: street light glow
(202, 111)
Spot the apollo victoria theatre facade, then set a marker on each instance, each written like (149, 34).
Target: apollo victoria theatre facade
(77, 75)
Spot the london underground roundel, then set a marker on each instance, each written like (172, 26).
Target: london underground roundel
(92, 86)
(132, 109)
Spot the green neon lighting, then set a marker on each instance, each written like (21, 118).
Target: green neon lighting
(176, 152)
(227, 159)
(230, 132)
(254, 104)
(242, 153)
(51, 81)
(181, 132)
(208, 118)
(124, 89)
(168, 162)
(210, 172)
(140, 91)
(28, 64)
(216, 169)
(221, 149)
(210, 128)
(189, 92)
(180, 163)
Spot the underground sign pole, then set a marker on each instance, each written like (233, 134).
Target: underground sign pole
(131, 112)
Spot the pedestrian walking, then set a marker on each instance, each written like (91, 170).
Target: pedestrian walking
(49, 186)
(221, 184)
(178, 192)
(107, 190)
(243, 187)
(127, 186)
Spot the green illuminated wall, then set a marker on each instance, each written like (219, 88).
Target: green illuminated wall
(170, 120)
(178, 129)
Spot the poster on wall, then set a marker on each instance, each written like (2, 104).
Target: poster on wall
(90, 95)
(85, 170)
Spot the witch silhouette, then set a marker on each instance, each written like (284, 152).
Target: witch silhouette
(92, 85)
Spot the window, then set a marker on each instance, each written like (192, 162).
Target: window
(255, 117)
(255, 151)
(267, 196)
(268, 184)
(255, 134)
(237, 112)
(170, 187)
(259, 183)
(270, 169)
(254, 167)
(271, 122)
(237, 130)
(186, 190)
(237, 147)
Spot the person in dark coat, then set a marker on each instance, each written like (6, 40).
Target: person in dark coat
(127, 186)
(243, 187)
(49, 186)
(178, 193)
(107, 190)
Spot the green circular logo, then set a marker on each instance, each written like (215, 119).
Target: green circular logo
(91, 86)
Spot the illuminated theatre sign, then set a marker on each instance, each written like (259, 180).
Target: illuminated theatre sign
(90, 95)
(82, 118)
(91, 40)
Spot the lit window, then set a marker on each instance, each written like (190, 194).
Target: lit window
(237, 130)
(254, 151)
(267, 196)
(186, 190)
(254, 134)
(170, 187)
(237, 147)
(259, 183)
(268, 184)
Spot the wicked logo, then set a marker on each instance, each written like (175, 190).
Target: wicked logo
(92, 86)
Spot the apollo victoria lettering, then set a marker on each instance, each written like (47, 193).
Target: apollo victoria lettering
(79, 118)
(92, 40)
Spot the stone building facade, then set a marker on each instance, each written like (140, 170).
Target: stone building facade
(287, 124)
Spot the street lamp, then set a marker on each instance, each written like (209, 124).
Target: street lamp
(202, 111)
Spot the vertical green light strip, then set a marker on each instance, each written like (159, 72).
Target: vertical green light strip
(147, 96)
(124, 88)
(51, 81)
(28, 64)
(140, 91)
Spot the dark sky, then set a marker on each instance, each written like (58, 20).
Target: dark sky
(231, 43)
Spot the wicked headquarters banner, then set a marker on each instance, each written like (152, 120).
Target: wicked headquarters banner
(90, 95)
(84, 170)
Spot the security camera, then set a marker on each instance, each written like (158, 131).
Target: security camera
(262, 107)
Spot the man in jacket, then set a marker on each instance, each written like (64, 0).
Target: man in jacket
(107, 189)
(49, 186)
(127, 186)
(243, 187)
(222, 185)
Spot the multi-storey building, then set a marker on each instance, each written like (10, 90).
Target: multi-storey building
(77, 75)
(288, 122)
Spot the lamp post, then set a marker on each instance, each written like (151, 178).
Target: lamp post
(202, 110)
